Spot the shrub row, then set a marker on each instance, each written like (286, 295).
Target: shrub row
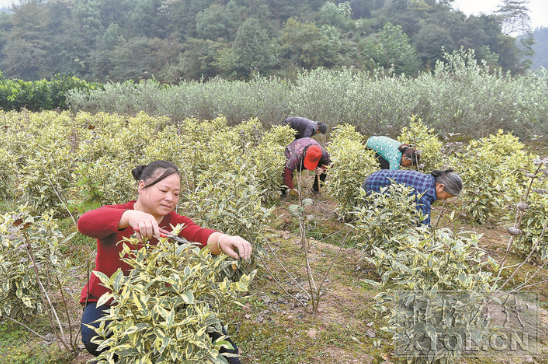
(459, 96)
(41, 95)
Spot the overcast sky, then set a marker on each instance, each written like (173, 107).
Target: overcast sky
(539, 9)
(538, 13)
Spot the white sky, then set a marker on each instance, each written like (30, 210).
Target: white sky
(539, 9)
(538, 13)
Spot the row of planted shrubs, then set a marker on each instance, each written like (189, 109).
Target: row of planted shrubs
(71, 163)
(55, 165)
(458, 96)
(436, 283)
(40, 95)
(497, 172)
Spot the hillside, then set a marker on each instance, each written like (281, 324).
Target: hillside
(117, 40)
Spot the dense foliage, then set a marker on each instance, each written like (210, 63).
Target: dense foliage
(530, 214)
(352, 164)
(30, 260)
(41, 95)
(424, 275)
(231, 175)
(490, 170)
(460, 96)
(119, 40)
(425, 140)
(383, 218)
(166, 306)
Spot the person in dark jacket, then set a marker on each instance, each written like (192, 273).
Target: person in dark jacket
(391, 154)
(305, 153)
(305, 128)
(437, 185)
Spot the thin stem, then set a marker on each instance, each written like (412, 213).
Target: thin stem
(530, 285)
(74, 349)
(331, 265)
(54, 313)
(283, 267)
(533, 248)
(517, 223)
(28, 328)
(311, 284)
(280, 285)
(62, 201)
(439, 216)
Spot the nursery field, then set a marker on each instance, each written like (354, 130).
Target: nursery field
(332, 280)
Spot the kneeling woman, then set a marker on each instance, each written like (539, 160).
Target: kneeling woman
(149, 216)
(437, 185)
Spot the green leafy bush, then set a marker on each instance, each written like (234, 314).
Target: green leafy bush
(533, 222)
(425, 140)
(352, 164)
(7, 165)
(489, 169)
(41, 95)
(531, 213)
(269, 159)
(166, 306)
(383, 218)
(24, 236)
(434, 284)
(230, 202)
(460, 95)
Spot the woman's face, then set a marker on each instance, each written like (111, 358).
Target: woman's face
(162, 197)
(441, 194)
(406, 162)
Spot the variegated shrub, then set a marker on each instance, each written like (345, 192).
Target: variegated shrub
(166, 306)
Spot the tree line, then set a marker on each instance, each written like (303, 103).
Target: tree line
(170, 40)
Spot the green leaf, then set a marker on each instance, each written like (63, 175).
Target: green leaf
(188, 297)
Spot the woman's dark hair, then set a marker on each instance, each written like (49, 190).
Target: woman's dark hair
(147, 171)
(322, 127)
(452, 181)
(410, 153)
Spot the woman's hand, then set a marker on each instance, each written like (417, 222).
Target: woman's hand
(230, 243)
(144, 225)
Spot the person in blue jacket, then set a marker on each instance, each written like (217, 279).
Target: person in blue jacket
(391, 154)
(305, 128)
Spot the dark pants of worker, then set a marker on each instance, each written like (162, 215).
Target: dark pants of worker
(315, 187)
(323, 176)
(383, 163)
(93, 313)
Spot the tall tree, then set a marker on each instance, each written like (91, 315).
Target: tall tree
(391, 48)
(515, 21)
(336, 15)
(302, 44)
(431, 43)
(514, 17)
(214, 23)
(252, 48)
(26, 48)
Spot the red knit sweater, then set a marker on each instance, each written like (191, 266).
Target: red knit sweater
(102, 224)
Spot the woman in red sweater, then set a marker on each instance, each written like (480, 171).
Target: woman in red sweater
(149, 216)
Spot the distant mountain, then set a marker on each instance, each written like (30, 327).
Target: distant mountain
(541, 49)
